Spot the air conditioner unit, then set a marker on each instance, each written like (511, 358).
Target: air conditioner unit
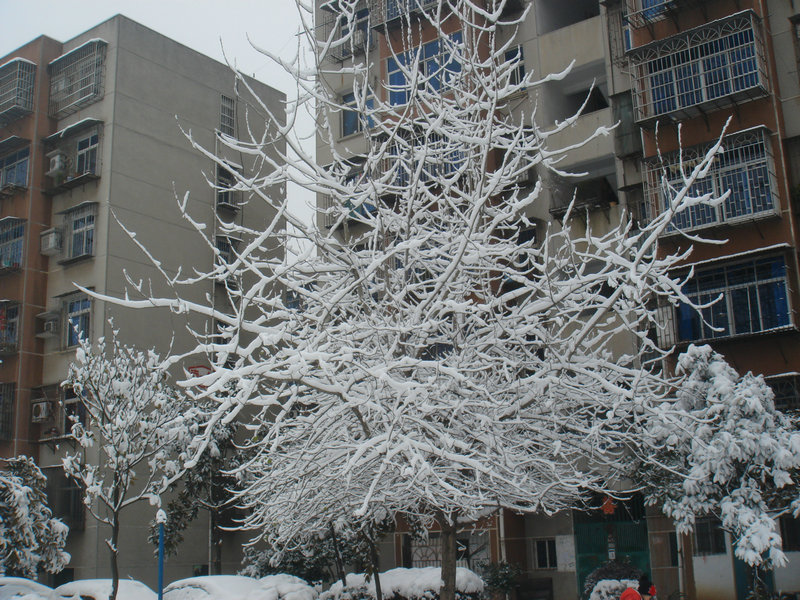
(50, 328)
(50, 242)
(359, 39)
(40, 410)
(58, 162)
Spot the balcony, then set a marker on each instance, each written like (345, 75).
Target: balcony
(392, 13)
(77, 78)
(12, 237)
(348, 39)
(643, 13)
(9, 328)
(583, 128)
(584, 39)
(589, 194)
(74, 156)
(16, 89)
(704, 69)
(746, 169)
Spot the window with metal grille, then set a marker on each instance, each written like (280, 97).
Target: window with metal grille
(745, 168)
(227, 115)
(543, 553)
(14, 168)
(80, 226)
(709, 537)
(9, 326)
(702, 65)
(7, 394)
(16, 88)
(753, 297)
(12, 236)
(72, 410)
(65, 498)
(77, 322)
(76, 78)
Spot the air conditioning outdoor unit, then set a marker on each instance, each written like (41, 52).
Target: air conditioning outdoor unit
(359, 39)
(58, 162)
(40, 411)
(51, 242)
(50, 327)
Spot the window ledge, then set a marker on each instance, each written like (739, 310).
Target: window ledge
(68, 184)
(75, 259)
(733, 337)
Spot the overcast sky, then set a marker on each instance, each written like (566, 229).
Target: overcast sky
(204, 25)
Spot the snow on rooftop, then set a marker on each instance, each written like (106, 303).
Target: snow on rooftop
(409, 583)
(86, 43)
(17, 59)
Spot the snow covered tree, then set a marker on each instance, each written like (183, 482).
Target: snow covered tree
(30, 538)
(434, 353)
(723, 450)
(136, 435)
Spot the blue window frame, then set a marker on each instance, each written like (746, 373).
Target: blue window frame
(14, 168)
(436, 67)
(78, 309)
(653, 8)
(752, 296)
(352, 119)
(517, 58)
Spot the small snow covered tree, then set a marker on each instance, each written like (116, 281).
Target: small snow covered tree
(722, 449)
(428, 354)
(136, 434)
(30, 538)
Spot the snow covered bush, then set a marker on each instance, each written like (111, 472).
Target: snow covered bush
(724, 450)
(30, 538)
(611, 570)
(611, 589)
(406, 584)
(137, 434)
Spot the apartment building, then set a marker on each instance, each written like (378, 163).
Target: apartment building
(91, 146)
(650, 66)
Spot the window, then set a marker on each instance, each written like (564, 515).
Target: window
(86, 155)
(361, 32)
(76, 78)
(7, 392)
(353, 120)
(787, 391)
(543, 553)
(226, 195)
(436, 67)
(12, 236)
(79, 235)
(709, 538)
(700, 66)
(653, 8)
(227, 115)
(790, 534)
(77, 312)
(753, 299)
(226, 248)
(65, 498)
(16, 89)
(9, 326)
(73, 410)
(746, 168)
(516, 57)
(14, 168)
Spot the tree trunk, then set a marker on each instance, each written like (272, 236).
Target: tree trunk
(216, 546)
(448, 591)
(114, 553)
(374, 558)
(339, 563)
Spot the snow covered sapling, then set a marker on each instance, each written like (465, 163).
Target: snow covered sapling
(30, 538)
(722, 449)
(437, 353)
(136, 434)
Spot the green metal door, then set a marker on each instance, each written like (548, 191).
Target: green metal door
(599, 537)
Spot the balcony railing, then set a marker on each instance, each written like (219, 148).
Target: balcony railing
(348, 39)
(589, 194)
(392, 12)
(16, 89)
(642, 13)
(703, 69)
(12, 237)
(745, 169)
(77, 78)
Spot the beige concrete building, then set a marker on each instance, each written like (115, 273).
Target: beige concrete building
(91, 141)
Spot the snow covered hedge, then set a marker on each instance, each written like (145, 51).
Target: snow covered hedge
(611, 589)
(408, 584)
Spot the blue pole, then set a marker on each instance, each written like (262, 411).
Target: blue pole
(161, 517)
